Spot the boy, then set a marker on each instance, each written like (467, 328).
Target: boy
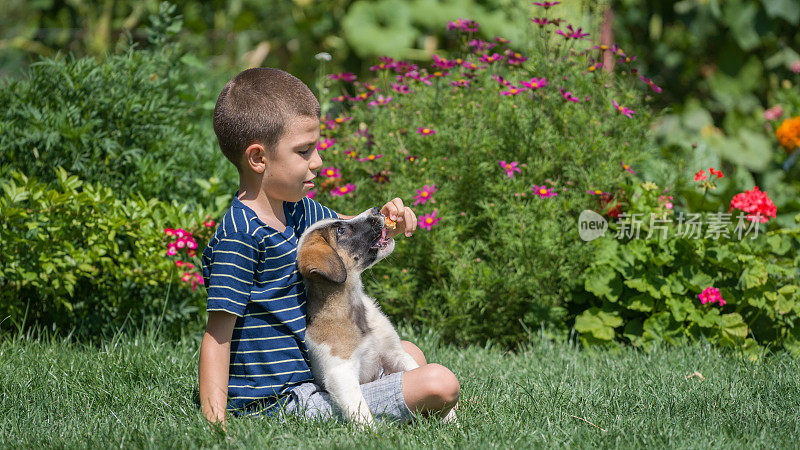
(253, 357)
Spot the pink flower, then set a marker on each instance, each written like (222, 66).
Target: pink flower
(711, 295)
(512, 90)
(180, 232)
(773, 113)
(191, 243)
(650, 83)
(380, 101)
(186, 276)
(311, 194)
(370, 157)
(795, 67)
(535, 83)
(546, 5)
(169, 231)
(208, 223)
(344, 76)
(346, 189)
(331, 172)
(510, 168)
(597, 192)
(626, 167)
(424, 194)
(426, 131)
(625, 111)
(543, 192)
(572, 33)
(427, 221)
(569, 96)
(180, 243)
(171, 249)
(401, 88)
(325, 143)
(460, 83)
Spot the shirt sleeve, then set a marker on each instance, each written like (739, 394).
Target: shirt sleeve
(313, 212)
(234, 260)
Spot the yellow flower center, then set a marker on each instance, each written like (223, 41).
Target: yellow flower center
(425, 194)
(426, 131)
(343, 190)
(371, 157)
(339, 120)
(428, 220)
(543, 191)
(598, 192)
(513, 91)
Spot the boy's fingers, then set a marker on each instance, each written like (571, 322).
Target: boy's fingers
(411, 222)
(397, 202)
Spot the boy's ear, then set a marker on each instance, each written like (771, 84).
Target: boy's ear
(316, 258)
(255, 157)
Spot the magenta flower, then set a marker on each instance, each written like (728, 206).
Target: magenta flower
(512, 90)
(380, 101)
(460, 83)
(427, 221)
(344, 76)
(568, 95)
(331, 172)
(426, 131)
(650, 83)
(442, 63)
(510, 168)
(773, 113)
(515, 58)
(597, 192)
(625, 111)
(535, 83)
(543, 191)
(412, 158)
(626, 167)
(169, 231)
(424, 194)
(311, 193)
(541, 21)
(546, 5)
(382, 177)
(501, 80)
(172, 249)
(466, 25)
(401, 88)
(370, 157)
(325, 143)
(711, 295)
(342, 190)
(494, 57)
(572, 33)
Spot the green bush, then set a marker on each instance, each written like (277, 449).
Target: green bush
(131, 122)
(646, 288)
(77, 256)
(503, 259)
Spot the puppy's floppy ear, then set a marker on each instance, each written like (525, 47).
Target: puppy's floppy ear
(317, 258)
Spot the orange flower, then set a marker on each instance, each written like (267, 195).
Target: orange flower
(788, 134)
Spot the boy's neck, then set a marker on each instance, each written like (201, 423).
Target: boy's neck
(269, 210)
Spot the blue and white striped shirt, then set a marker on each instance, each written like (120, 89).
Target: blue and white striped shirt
(250, 270)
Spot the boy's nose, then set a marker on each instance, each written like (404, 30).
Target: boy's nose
(316, 161)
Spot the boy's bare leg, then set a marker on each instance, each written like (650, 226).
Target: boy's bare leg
(431, 388)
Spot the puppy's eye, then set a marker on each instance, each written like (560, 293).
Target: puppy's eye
(340, 231)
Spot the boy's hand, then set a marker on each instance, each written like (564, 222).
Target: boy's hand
(403, 215)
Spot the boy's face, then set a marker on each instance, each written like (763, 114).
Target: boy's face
(295, 163)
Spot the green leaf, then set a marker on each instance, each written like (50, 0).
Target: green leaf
(754, 275)
(602, 281)
(680, 308)
(640, 302)
(786, 9)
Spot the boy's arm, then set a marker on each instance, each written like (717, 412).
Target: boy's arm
(215, 353)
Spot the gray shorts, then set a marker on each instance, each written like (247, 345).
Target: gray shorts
(384, 397)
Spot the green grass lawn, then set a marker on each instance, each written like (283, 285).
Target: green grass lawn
(139, 391)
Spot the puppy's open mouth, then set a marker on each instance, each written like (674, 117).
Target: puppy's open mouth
(381, 242)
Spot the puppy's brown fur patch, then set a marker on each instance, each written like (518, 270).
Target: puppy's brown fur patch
(330, 315)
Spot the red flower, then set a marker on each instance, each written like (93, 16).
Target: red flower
(754, 203)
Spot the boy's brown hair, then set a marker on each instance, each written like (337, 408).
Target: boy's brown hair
(255, 106)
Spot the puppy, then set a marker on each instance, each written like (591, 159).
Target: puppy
(349, 338)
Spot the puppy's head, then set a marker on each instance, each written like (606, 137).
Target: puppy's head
(333, 248)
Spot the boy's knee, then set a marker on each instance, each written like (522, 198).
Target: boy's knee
(441, 383)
